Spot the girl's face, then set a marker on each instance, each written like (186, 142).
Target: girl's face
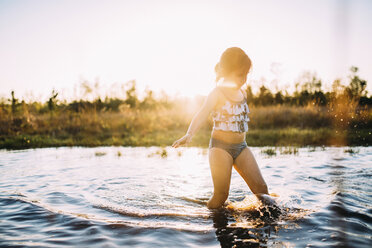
(239, 78)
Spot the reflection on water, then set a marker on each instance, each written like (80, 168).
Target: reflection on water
(153, 196)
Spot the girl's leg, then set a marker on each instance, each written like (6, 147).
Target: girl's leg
(220, 163)
(246, 166)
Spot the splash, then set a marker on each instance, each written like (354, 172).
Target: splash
(261, 210)
(253, 202)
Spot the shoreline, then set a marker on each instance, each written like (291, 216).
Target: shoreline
(256, 137)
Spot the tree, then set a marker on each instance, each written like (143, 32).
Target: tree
(149, 101)
(265, 97)
(131, 94)
(279, 98)
(357, 86)
(250, 96)
(52, 102)
(15, 103)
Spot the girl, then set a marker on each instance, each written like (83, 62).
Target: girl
(227, 147)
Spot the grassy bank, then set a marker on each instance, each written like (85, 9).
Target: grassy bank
(255, 137)
(309, 116)
(122, 123)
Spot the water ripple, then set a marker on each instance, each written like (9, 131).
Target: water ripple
(71, 196)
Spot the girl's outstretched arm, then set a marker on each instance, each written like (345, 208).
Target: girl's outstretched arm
(199, 118)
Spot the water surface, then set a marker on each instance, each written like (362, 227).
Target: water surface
(155, 197)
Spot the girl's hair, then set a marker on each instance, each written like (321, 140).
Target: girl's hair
(232, 60)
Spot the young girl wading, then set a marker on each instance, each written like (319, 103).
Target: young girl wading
(227, 147)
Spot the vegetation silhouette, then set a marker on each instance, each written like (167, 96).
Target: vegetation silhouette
(309, 116)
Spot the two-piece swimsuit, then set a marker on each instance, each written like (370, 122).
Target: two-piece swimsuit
(232, 117)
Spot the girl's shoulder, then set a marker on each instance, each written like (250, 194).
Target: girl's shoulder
(216, 94)
(213, 99)
(219, 95)
(225, 96)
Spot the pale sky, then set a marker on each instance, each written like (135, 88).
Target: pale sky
(174, 45)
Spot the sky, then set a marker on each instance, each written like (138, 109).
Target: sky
(173, 46)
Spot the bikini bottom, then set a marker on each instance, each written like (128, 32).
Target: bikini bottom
(233, 149)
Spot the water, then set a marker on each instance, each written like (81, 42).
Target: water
(153, 197)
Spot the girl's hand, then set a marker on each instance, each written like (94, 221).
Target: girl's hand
(182, 141)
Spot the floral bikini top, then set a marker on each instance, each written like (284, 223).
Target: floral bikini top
(232, 116)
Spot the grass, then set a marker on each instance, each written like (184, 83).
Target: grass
(351, 151)
(288, 150)
(308, 117)
(287, 137)
(275, 126)
(99, 154)
(283, 150)
(162, 152)
(269, 151)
